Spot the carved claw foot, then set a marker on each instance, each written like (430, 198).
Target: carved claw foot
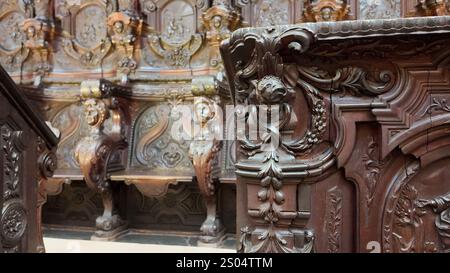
(109, 228)
(213, 232)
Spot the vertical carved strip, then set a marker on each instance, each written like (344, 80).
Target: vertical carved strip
(334, 219)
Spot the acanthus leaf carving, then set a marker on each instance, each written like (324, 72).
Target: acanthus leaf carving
(334, 219)
(262, 80)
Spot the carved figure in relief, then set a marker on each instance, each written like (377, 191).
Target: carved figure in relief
(175, 29)
(441, 205)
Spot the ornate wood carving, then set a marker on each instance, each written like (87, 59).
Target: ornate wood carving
(176, 39)
(85, 34)
(124, 29)
(329, 10)
(432, 7)
(219, 20)
(96, 151)
(22, 136)
(334, 219)
(353, 115)
(46, 166)
(203, 153)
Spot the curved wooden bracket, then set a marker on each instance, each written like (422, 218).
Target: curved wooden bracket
(203, 152)
(94, 151)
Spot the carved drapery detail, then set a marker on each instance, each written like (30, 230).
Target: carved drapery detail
(95, 151)
(329, 10)
(441, 206)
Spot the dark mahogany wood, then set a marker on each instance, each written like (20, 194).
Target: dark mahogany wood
(362, 161)
(27, 158)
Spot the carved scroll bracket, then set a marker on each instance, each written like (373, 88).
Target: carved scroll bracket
(203, 153)
(47, 163)
(96, 151)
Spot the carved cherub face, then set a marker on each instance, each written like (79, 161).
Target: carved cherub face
(95, 112)
(326, 13)
(31, 32)
(217, 21)
(118, 27)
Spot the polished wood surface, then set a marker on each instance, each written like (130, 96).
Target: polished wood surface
(28, 159)
(362, 159)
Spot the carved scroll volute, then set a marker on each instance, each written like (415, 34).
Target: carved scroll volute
(328, 10)
(124, 30)
(219, 21)
(84, 29)
(47, 163)
(94, 151)
(260, 79)
(203, 153)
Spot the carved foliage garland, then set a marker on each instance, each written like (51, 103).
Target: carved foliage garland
(265, 80)
(334, 219)
(14, 216)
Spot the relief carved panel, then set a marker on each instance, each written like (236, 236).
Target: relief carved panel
(154, 146)
(379, 9)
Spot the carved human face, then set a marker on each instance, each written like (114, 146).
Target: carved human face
(31, 32)
(326, 13)
(217, 22)
(118, 27)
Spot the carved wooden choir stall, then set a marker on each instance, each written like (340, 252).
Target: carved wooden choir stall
(360, 162)
(27, 158)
